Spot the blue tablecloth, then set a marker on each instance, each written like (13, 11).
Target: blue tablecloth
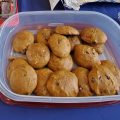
(110, 112)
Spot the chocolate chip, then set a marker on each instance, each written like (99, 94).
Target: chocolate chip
(87, 52)
(57, 83)
(108, 77)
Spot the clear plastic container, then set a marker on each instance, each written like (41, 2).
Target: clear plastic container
(33, 21)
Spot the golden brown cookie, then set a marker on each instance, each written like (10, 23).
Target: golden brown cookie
(59, 45)
(16, 62)
(23, 79)
(93, 35)
(102, 81)
(38, 55)
(22, 40)
(98, 47)
(86, 56)
(43, 35)
(63, 84)
(57, 63)
(113, 68)
(84, 87)
(42, 77)
(74, 40)
(66, 30)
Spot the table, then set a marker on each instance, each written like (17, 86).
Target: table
(99, 113)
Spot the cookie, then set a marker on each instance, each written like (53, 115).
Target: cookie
(63, 84)
(57, 63)
(102, 81)
(86, 56)
(16, 62)
(84, 87)
(38, 55)
(59, 45)
(74, 40)
(66, 30)
(99, 48)
(23, 79)
(42, 77)
(93, 35)
(113, 68)
(43, 35)
(22, 40)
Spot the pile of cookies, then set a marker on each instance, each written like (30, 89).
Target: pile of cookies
(63, 62)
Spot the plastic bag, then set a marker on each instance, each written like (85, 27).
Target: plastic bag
(75, 4)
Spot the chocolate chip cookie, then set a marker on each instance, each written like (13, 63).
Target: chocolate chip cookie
(102, 81)
(23, 79)
(63, 84)
(38, 55)
(16, 62)
(113, 68)
(84, 87)
(93, 35)
(57, 63)
(43, 35)
(42, 77)
(59, 45)
(74, 40)
(86, 56)
(66, 30)
(22, 40)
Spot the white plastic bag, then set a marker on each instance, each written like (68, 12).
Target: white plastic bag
(75, 4)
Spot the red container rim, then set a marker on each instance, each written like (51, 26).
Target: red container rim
(55, 105)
